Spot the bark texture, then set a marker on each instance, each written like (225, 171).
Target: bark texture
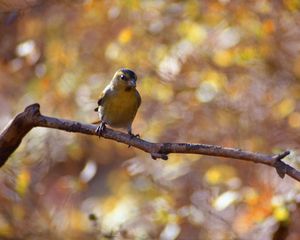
(14, 132)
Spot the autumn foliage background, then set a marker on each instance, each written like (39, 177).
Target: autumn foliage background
(219, 72)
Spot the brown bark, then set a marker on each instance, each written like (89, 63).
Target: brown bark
(12, 135)
(12, 5)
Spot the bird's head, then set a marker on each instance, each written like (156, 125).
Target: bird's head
(124, 78)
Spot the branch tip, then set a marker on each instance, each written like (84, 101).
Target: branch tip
(282, 155)
(33, 109)
(32, 106)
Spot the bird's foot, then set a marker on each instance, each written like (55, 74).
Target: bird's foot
(134, 135)
(100, 129)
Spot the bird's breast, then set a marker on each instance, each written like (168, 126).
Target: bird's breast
(119, 108)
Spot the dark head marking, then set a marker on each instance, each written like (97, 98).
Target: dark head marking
(127, 74)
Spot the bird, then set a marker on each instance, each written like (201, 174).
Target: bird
(119, 102)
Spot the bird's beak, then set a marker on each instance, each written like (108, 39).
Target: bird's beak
(132, 83)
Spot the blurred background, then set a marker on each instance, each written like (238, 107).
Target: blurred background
(223, 72)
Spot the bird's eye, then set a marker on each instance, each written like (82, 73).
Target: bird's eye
(122, 76)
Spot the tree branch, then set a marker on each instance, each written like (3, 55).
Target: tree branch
(12, 135)
(12, 5)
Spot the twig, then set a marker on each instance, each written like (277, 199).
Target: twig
(12, 135)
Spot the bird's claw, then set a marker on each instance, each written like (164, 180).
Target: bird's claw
(133, 136)
(100, 129)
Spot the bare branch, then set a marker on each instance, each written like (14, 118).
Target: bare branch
(12, 5)
(12, 135)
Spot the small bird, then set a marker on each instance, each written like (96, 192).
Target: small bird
(119, 102)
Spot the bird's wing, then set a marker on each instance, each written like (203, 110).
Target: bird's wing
(139, 99)
(102, 98)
